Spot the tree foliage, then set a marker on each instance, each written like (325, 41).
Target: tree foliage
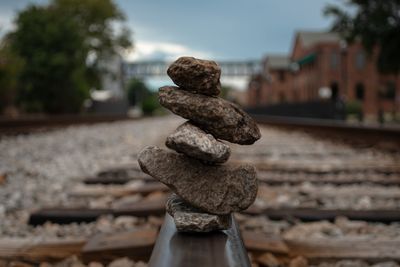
(10, 68)
(150, 104)
(53, 79)
(61, 45)
(225, 90)
(140, 95)
(375, 23)
(137, 91)
(101, 24)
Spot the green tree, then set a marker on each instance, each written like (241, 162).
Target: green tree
(101, 22)
(150, 104)
(225, 89)
(137, 91)
(51, 45)
(10, 68)
(61, 45)
(375, 23)
(96, 18)
(140, 95)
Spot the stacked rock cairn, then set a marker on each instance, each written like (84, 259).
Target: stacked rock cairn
(205, 191)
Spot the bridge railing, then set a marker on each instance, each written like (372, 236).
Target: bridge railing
(145, 69)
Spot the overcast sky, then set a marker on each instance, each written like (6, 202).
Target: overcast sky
(218, 29)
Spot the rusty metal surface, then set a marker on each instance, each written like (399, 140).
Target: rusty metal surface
(328, 124)
(222, 249)
(29, 124)
(382, 137)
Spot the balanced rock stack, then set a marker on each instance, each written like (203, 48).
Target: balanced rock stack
(206, 191)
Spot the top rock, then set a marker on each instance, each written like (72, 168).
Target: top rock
(196, 75)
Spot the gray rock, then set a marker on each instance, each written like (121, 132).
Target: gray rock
(222, 119)
(216, 189)
(196, 75)
(122, 262)
(194, 142)
(191, 219)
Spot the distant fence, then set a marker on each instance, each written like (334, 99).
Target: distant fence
(315, 109)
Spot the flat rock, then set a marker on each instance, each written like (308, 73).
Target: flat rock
(223, 119)
(190, 219)
(196, 75)
(194, 142)
(216, 189)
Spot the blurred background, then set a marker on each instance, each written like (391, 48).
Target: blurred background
(319, 59)
(78, 102)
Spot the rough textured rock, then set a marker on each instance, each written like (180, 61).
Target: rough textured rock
(222, 119)
(194, 142)
(191, 219)
(299, 261)
(196, 75)
(218, 189)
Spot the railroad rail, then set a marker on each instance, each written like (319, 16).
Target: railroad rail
(227, 248)
(327, 124)
(38, 123)
(30, 124)
(173, 249)
(380, 136)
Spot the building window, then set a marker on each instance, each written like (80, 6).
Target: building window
(388, 91)
(295, 96)
(281, 75)
(335, 90)
(258, 95)
(282, 98)
(360, 92)
(360, 60)
(257, 89)
(334, 60)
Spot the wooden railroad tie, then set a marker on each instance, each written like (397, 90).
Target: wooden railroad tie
(214, 247)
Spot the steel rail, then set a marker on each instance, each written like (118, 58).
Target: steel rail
(327, 124)
(28, 124)
(384, 137)
(222, 249)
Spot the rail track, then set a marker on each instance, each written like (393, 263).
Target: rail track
(170, 250)
(386, 137)
(29, 124)
(307, 186)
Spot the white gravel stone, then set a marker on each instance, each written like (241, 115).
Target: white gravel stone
(42, 168)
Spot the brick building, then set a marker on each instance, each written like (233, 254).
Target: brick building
(321, 60)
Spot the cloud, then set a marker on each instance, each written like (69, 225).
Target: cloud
(147, 50)
(6, 23)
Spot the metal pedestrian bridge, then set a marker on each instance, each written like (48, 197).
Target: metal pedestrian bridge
(146, 69)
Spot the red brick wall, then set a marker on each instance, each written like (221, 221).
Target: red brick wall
(304, 84)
